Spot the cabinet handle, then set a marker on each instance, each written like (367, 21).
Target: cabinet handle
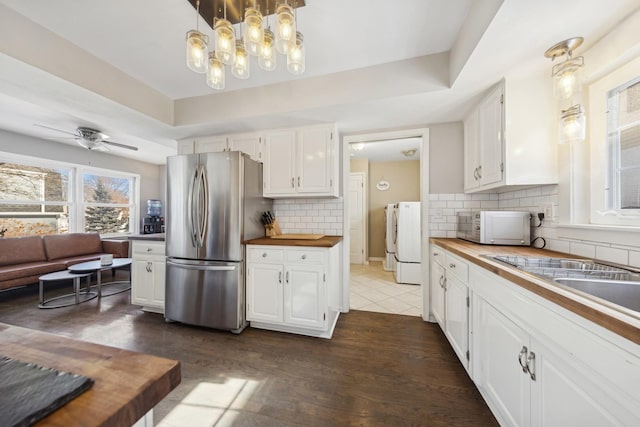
(480, 172)
(287, 277)
(522, 354)
(531, 364)
(149, 249)
(444, 283)
(304, 256)
(441, 281)
(475, 174)
(435, 254)
(298, 181)
(264, 255)
(452, 265)
(293, 183)
(280, 277)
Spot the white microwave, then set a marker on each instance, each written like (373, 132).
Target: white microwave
(495, 227)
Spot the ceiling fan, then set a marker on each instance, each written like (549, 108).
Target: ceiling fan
(91, 139)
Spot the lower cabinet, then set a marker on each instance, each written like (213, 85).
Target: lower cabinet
(148, 275)
(293, 289)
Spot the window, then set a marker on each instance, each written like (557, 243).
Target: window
(33, 200)
(107, 203)
(57, 198)
(623, 148)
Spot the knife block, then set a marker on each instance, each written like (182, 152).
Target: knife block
(272, 229)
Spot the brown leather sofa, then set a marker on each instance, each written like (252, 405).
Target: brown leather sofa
(24, 259)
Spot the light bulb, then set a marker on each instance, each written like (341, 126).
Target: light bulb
(572, 125)
(197, 46)
(215, 73)
(253, 32)
(267, 58)
(285, 28)
(240, 67)
(225, 42)
(296, 56)
(567, 78)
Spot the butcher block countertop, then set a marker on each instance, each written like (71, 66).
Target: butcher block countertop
(620, 321)
(323, 242)
(127, 384)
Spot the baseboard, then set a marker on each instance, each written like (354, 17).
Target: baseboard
(376, 258)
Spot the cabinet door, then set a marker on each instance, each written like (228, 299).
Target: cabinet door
(490, 117)
(564, 393)
(304, 301)
(456, 324)
(210, 145)
(185, 147)
(158, 268)
(314, 160)
(279, 160)
(250, 144)
(497, 344)
(471, 147)
(141, 282)
(264, 292)
(437, 292)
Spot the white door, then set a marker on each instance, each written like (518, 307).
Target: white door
(314, 160)
(457, 317)
(437, 292)
(158, 272)
(264, 292)
(500, 344)
(141, 281)
(279, 161)
(249, 143)
(471, 148)
(304, 301)
(490, 124)
(357, 214)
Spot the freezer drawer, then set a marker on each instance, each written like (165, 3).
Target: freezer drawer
(206, 293)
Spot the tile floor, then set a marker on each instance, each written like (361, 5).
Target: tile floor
(373, 289)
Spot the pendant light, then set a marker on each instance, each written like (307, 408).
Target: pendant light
(268, 52)
(296, 56)
(572, 125)
(285, 28)
(225, 39)
(215, 72)
(567, 75)
(197, 47)
(240, 67)
(253, 32)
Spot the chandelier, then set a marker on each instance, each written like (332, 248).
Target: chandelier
(256, 39)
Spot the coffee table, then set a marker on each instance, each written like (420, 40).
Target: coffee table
(76, 297)
(96, 267)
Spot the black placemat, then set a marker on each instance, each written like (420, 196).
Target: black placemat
(29, 392)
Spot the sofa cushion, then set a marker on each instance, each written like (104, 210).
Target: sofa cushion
(10, 272)
(19, 250)
(59, 246)
(78, 259)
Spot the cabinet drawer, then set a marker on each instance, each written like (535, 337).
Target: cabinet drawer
(148, 248)
(305, 256)
(265, 254)
(457, 267)
(438, 255)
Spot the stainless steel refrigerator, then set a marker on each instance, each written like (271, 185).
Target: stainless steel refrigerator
(214, 203)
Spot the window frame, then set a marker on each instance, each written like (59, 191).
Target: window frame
(75, 202)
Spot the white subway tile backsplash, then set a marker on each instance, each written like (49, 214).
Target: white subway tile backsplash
(634, 259)
(310, 215)
(619, 256)
(583, 249)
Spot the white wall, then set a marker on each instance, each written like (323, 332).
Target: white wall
(152, 177)
(446, 158)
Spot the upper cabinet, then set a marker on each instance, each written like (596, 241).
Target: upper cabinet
(249, 143)
(301, 162)
(510, 139)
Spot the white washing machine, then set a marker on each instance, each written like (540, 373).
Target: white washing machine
(389, 263)
(408, 245)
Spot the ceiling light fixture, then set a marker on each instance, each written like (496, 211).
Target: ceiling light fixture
(409, 152)
(256, 40)
(567, 83)
(197, 46)
(357, 146)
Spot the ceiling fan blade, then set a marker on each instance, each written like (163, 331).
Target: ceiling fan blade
(116, 144)
(57, 130)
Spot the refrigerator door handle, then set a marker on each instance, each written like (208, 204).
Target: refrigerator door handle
(192, 210)
(204, 211)
(203, 267)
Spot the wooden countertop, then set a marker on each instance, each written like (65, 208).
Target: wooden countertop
(323, 242)
(158, 237)
(127, 384)
(620, 321)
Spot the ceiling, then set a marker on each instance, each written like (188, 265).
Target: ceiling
(395, 150)
(119, 66)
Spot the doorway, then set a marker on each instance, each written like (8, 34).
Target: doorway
(390, 158)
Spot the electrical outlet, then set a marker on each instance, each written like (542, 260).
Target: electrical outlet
(550, 211)
(439, 213)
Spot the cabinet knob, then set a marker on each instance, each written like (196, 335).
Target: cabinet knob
(149, 249)
(293, 182)
(435, 254)
(264, 255)
(304, 256)
(452, 265)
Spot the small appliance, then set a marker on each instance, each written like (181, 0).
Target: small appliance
(153, 222)
(495, 227)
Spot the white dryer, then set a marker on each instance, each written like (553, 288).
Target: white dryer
(408, 243)
(389, 263)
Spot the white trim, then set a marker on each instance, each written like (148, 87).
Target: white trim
(599, 234)
(376, 258)
(422, 133)
(365, 231)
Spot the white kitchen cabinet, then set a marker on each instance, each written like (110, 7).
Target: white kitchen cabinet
(301, 162)
(449, 300)
(538, 365)
(510, 137)
(148, 275)
(248, 143)
(293, 289)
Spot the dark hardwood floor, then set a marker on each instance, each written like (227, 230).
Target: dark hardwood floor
(378, 370)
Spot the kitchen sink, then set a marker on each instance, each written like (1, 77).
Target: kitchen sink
(624, 293)
(605, 282)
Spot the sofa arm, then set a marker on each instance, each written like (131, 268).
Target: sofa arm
(119, 248)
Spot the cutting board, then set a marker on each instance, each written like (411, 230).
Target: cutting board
(298, 236)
